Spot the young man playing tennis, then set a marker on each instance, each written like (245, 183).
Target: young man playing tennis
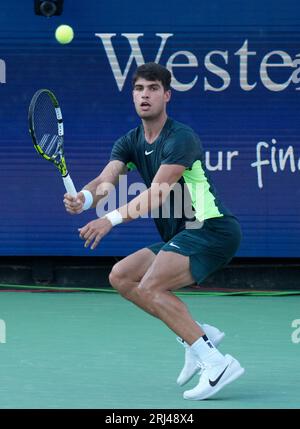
(166, 152)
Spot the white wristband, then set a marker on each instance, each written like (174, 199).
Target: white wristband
(114, 217)
(88, 199)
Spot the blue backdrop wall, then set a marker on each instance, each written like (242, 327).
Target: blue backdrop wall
(236, 81)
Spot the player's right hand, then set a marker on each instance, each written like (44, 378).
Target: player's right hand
(74, 205)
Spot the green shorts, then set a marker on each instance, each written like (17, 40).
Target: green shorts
(209, 248)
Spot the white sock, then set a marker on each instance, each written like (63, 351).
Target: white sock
(206, 352)
(184, 342)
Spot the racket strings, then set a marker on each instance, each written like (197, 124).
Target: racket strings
(45, 126)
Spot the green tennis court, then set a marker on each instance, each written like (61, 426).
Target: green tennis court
(96, 350)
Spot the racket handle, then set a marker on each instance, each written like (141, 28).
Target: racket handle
(69, 185)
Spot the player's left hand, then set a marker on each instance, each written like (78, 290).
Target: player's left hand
(94, 231)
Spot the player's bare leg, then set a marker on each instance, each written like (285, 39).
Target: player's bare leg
(168, 271)
(127, 273)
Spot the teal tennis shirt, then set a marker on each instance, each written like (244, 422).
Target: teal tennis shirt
(176, 144)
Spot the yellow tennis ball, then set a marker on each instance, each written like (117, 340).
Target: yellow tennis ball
(64, 34)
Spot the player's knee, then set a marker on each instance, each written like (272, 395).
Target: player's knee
(117, 279)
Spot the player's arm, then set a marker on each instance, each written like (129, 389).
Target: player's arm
(166, 177)
(163, 182)
(100, 186)
(97, 189)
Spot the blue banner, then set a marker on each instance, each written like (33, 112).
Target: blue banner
(235, 80)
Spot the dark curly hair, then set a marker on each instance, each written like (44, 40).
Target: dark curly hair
(153, 71)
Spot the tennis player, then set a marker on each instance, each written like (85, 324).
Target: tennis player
(204, 238)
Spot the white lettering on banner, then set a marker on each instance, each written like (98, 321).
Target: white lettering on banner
(277, 159)
(173, 63)
(244, 53)
(296, 73)
(2, 71)
(268, 155)
(268, 83)
(218, 71)
(136, 53)
(219, 165)
(192, 62)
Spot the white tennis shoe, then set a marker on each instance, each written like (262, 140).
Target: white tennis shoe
(191, 366)
(214, 377)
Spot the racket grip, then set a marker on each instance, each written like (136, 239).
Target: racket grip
(69, 185)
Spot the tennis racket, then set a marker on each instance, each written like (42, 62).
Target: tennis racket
(47, 132)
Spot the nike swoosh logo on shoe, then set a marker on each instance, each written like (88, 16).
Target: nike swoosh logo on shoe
(214, 382)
